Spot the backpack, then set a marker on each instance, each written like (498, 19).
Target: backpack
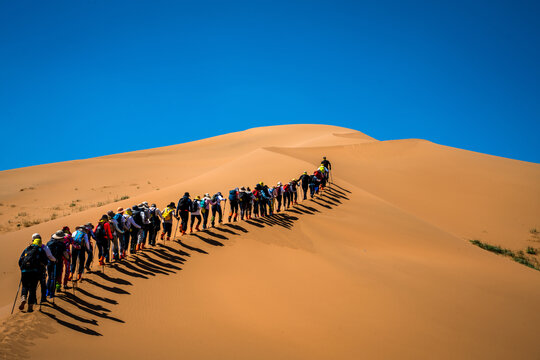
(184, 203)
(167, 214)
(256, 194)
(78, 239)
(137, 217)
(100, 232)
(31, 259)
(120, 220)
(244, 197)
(194, 206)
(57, 248)
(214, 197)
(232, 195)
(286, 187)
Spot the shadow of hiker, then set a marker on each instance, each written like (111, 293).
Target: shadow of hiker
(321, 204)
(118, 281)
(309, 208)
(160, 263)
(162, 254)
(176, 251)
(219, 236)
(192, 248)
(151, 267)
(115, 289)
(255, 222)
(336, 194)
(137, 272)
(226, 231)
(208, 241)
(83, 330)
(236, 227)
(77, 304)
(73, 316)
(339, 187)
(89, 294)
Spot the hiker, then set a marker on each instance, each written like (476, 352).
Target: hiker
(155, 224)
(167, 217)
(31, 262)
(233, 204)
(43, 272)
(103, 237)
(304, 179)
(320, 178)
(286, 196)
(117, 233)
(63, 275)
(133, 229)
(195, 210)
(325, 163)
(182, 212)
(206, 202)
(119, 223)
(138, 215)
(324, 173)
(313, 185)
(79, 250)
(264, 198)
(278, 195)
(249, 203)
(146, 224)
(294, 191)
(88, 228)
(244, 199)
(216, 207)
(256, 197)
(54, 268)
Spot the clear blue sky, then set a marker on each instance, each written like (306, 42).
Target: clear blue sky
(87, 78)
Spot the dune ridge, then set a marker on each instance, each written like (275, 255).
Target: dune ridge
(379, 267)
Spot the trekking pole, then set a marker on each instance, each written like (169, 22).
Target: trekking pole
(16, 295)
(53, 291)
(176, 229)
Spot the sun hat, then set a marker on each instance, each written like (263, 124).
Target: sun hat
(120, 210)
(36, 236)
(59, 235)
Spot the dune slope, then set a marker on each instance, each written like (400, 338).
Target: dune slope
(380, 266)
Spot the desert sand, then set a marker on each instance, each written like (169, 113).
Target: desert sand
(379, 267)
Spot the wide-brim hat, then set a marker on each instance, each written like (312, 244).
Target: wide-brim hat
(59, 235)
(120, 210)
(171, 205)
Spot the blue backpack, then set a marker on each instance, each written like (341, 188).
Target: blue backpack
(232, 195)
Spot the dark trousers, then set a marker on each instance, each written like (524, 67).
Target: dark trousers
(184, 216)
(153, 233)
(278, 198)
(193, 218)
(134, 234)
(55, 275)
(43, 284)
(90, 257)
(256, 207)
(125, 240)
(205, 214)
(216, 208)
(295, 196)
(234, 209)
(29, 281)
(78, 254)
(103, 249)
(305, 188)
(167, 228)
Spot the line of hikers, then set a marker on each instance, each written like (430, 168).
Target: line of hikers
(54, 264)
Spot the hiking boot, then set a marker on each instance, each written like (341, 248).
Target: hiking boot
(168, 238)
(71, 275)
(142, 246)
(79, 276)
(162, 236)
(197, 228)
(23, 302)
(30, 308)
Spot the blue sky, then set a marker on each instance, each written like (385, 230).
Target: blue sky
(80, 79)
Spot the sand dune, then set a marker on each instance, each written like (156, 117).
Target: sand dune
(379, 267)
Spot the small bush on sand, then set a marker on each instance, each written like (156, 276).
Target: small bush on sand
(517, 257)
(531, 251)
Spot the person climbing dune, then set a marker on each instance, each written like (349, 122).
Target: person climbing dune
(31, 262)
